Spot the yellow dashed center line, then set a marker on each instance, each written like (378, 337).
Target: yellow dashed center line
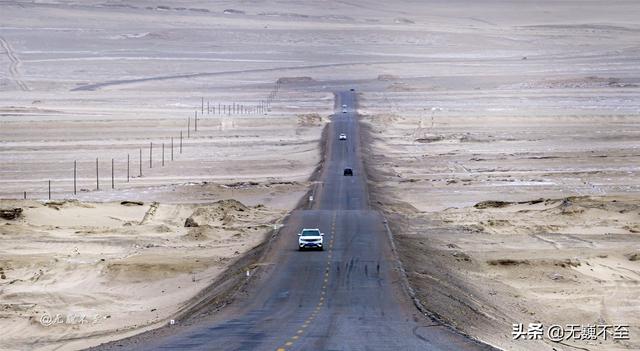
(323, 291)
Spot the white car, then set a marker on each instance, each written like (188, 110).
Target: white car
(342, 136)
(310, 239)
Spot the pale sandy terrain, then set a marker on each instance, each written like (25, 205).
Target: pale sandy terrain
(93, 79)
(130, 268)
(108, 270)
(543, 106)
(224, 149)
(468, 101)
(504, 220)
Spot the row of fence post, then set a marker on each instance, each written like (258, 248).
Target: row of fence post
(235, 109)
(262, 107)
(128, 166)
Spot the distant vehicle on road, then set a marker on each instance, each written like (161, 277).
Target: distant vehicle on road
(342, 136)
(310, 239)
(352, 89)
(344, 106)
(348, 172)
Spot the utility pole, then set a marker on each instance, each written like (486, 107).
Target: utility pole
(97, 176)
(112, 172)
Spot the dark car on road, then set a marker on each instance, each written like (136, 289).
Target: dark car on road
(348, 172)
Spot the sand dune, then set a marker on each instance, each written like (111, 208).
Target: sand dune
(108, 269)
(504, 220)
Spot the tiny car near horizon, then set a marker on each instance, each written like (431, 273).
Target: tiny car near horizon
(310, 238)
(348, 172)
(342, 136)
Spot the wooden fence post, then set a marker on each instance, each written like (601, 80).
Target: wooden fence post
(112, 172)
(97, 176)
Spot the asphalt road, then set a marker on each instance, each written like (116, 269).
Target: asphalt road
(347, 297)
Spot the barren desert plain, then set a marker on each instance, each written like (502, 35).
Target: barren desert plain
(501, 141)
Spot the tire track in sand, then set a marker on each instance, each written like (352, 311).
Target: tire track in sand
(14, 65)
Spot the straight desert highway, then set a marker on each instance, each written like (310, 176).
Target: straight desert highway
(347, 297)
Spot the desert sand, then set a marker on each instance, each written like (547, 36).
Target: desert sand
(75, 274)
(534, 104)
(503, 220)
(109, 270)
